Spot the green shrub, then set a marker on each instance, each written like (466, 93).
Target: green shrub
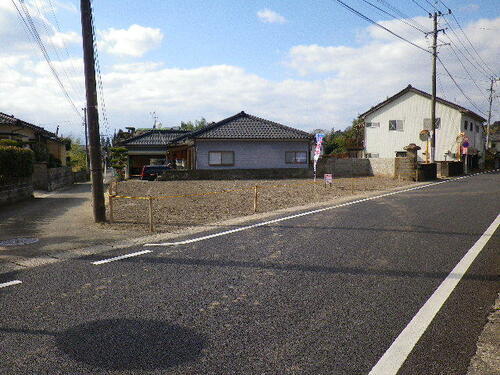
(11, 142)
(15, 162)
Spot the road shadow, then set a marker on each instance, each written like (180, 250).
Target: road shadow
(290, 267)
(126, 344)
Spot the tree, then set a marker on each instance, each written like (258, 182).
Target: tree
(119, 161)
(196, 125)
(77, 156)
(339, 141)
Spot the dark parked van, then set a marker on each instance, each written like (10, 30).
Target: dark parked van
(150, 172)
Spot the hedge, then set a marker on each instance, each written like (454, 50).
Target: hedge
(15, 162)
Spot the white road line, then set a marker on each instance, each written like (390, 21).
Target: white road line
(121, 257)
(198, 239)
(394, 357)
(9, 283)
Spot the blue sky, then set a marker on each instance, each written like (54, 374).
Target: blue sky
(306, 64)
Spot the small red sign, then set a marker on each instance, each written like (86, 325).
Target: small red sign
(328, 179)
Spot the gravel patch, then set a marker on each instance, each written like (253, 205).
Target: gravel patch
(174, 214)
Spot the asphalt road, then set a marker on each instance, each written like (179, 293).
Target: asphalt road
(325, 293)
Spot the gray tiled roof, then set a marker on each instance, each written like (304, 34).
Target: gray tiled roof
(245, 126)
(11, 120)
(157, 137)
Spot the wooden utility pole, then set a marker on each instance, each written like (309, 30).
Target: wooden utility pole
(92, 114)
(87, 160)
(493, 80)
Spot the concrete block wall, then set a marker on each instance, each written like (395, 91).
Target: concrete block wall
(356, 167)
(236, 174)
(16, 191)
(383, 166)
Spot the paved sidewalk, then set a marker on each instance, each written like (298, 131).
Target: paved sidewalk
(60, 221)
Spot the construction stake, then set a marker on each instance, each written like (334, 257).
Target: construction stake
(255, 199)
(111, 208)
(151, 228)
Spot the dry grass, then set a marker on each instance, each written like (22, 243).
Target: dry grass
(172, 214)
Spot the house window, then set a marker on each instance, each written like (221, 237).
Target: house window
(428, 122)
(466, 124)
(371, 155)
(296, 157)
(396, 125)
(477, 128)
(221, 158)
(373, 124)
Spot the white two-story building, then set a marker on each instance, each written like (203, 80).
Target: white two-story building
(400, 119)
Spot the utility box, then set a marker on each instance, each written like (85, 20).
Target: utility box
(427, 172)
(451, 168)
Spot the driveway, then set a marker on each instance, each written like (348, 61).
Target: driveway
(59, 221)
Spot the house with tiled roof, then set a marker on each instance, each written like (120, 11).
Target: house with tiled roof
(241, 141)
(149, 148)
(244, 141)
(404, 118)
(33, 136)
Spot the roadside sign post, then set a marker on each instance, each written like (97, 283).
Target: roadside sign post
(465, 145)
(328, 179)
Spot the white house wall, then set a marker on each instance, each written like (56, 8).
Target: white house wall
(412, 109)
(475, 136)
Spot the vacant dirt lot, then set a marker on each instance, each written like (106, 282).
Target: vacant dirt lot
(172, 214)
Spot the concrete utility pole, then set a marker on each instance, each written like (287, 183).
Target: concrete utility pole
(92, 114)
(434, 33)
(493, 80)
(433, 105)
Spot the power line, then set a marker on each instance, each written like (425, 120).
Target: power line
(75, 90)
(476, 64)
(404, 15)
(58, 27)
(421, 7)
(28, 21)
(99, 78)
(459, 88)
(433, 6)
(393, 16)
(468, 40)
(379, 25)
(467, 72)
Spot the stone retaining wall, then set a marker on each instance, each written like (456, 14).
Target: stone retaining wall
(16, 191)
(49, 179)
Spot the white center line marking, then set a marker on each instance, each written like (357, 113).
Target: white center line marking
(121, 257)
(394, 357)
(198, 239)
(9, 283)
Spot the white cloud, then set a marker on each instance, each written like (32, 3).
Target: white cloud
(337, 83)
(61, 40)
(270, 16)
(134, 41)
